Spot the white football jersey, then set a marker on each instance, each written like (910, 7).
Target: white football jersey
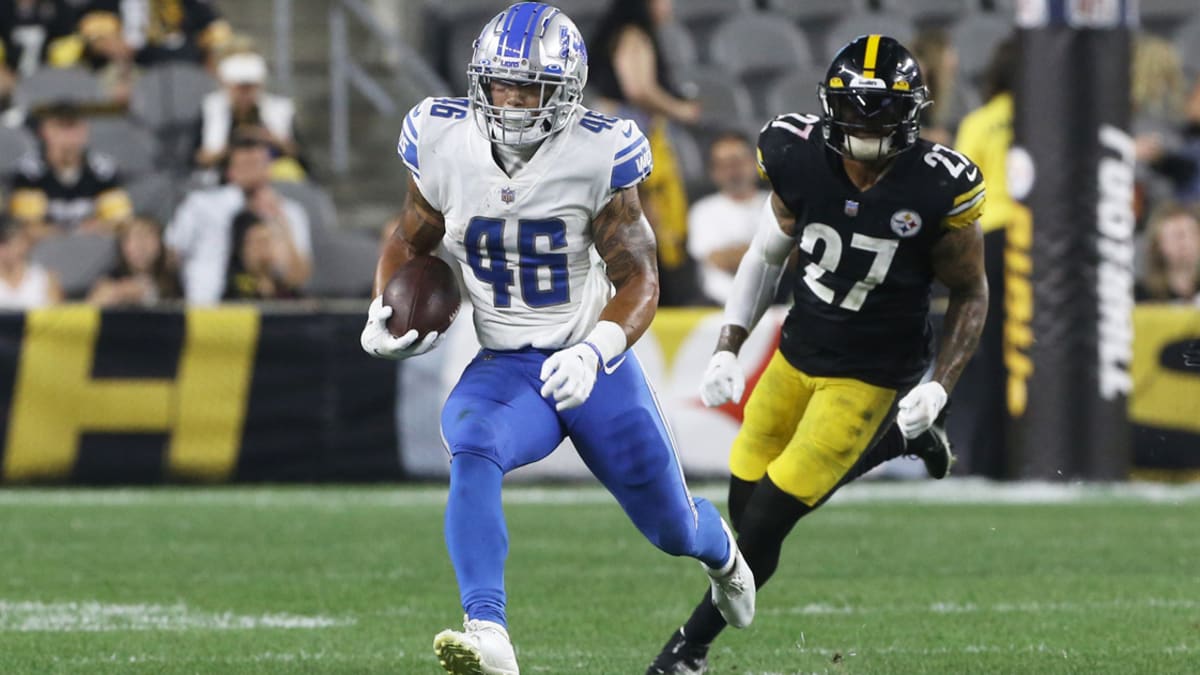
(525, 242)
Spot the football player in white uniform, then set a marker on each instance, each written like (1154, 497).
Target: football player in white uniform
(536, 197)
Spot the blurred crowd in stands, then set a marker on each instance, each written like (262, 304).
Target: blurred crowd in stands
(702, 77)
(143, 161)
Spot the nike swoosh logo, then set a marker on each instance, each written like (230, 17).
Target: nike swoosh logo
(610, 370)
(972, 173)
(628, 132)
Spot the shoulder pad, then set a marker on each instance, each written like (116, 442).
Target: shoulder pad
(965, 184)
(427, 112)
(632, 161)
(782, 135)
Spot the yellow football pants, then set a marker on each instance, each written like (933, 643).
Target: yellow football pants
(807, 432)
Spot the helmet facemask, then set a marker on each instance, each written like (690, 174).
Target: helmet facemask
(871, 125)
(520, 126)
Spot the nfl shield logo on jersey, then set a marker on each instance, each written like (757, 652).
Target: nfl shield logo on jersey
(507, 195)
(906, 223)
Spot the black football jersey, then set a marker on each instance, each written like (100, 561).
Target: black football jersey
(37, 193)
(862, 288)
(27, 32)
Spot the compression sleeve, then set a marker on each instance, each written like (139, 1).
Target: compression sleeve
(758, 273)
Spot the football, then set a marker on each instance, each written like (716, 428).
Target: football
(423, 295)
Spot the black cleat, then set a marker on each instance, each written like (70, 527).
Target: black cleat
(933, 448)
(680, 657)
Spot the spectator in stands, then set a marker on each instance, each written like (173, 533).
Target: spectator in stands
(242, 107)
(199, 232)
(939, 64)
(65, 186)
(24, 284)
(1158, 92)
(157, 31)
(1173, 256)
(255, 257)
(1189, 191)
(143, 274)
(631, 78)
(985, 135)
(34, 33)
(109, 57)
(721, 225)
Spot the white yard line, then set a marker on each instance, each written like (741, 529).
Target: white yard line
(72, 617)
(954, 491)
(265, 657)
(819, 609)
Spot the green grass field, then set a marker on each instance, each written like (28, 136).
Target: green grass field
(356, 580)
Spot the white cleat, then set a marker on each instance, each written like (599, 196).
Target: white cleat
(482, 648)
(733, 589)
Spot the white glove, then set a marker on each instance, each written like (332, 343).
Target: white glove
(920, 408)
(378, 341)
(724, 380)
(569, 375)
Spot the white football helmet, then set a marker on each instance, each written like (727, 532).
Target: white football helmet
(528, 43)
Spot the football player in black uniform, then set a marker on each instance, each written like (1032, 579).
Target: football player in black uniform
(878, 214)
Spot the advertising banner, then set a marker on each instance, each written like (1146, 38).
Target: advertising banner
(1069, 281)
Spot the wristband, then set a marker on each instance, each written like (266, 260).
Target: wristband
(608, 339)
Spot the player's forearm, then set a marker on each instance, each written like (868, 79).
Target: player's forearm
(633, 306)
(396, 252)
(757, 275)
(419, 233)
(732, 338)
(962, 327)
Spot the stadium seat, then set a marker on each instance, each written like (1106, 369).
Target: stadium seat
(170, 94)
(456, 9)
(759, 43)
(796, 92)
(154, 196)
(134, 149)
(1187, 41)
(78, 259)
(458, 55)
(14, 143)
(677, 46)
(1167, 12)
(806, 13)
(723, 99)
(894, 25)
(703, 16)
(928, 11)
(691, 158)
(57, 84)
(974, 39)
(693, 10)
(317, 204)
(343, 266)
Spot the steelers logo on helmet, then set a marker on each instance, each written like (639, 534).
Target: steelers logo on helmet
(906, 223)
(871, 99)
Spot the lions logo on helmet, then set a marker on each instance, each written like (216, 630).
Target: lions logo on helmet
(872, 97)
(528, 43)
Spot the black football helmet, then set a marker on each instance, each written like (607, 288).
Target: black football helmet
(871, 99)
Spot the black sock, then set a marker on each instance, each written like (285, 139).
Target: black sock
(767, 518)
(739, 495)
